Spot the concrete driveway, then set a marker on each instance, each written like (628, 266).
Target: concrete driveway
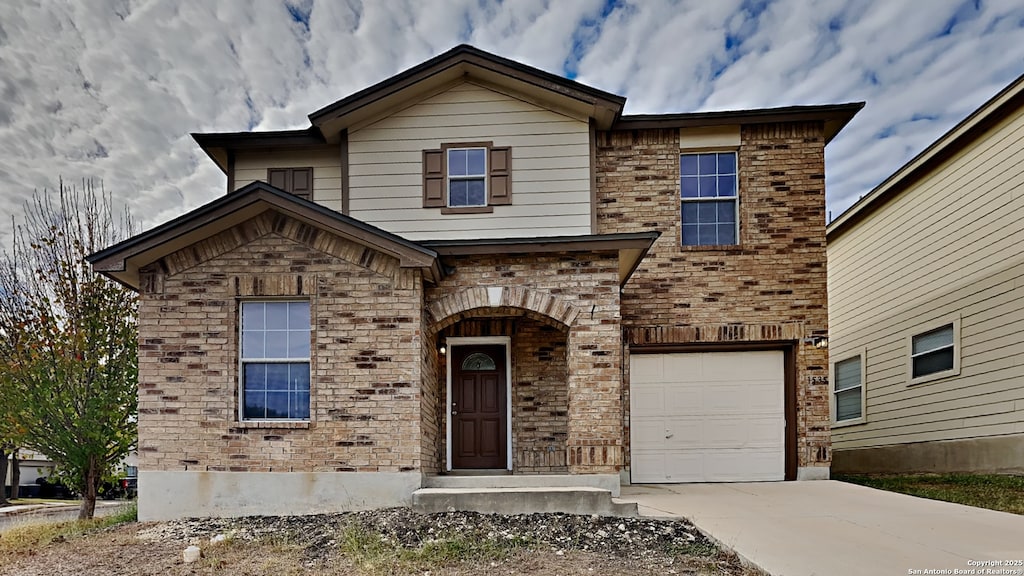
(831, 528)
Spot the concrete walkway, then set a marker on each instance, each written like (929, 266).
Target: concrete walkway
(831, 528)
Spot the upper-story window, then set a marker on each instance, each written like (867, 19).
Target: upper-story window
(298, 181)
(467, 177)
(709, 198)
(274, 358)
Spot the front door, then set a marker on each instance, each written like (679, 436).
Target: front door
(479, 407)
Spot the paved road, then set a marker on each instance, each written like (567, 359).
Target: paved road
(59, 514)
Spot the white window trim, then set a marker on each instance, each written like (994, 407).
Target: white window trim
(922, 329)
(863, 354)
(452, 342)
(448, 178)
(242, 362)
(679, 194)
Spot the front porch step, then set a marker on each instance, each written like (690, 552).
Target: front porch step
(609, 482)
(522, 500)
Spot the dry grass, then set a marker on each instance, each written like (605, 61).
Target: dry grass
(27, 539)
(97, 548)
(993, 491)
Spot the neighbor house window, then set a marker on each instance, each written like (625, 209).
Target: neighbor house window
(469, 177)
(710, 206)
(848, 390)
(275, 360)
(934, 352)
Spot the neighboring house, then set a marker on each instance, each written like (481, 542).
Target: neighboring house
(926, 303)
(31, 465)
(479, 267)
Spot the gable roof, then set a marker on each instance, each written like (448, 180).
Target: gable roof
(1007, 101)
(490, 70)
(122, 261)
(462, 61)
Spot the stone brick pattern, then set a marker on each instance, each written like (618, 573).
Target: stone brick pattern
(772, 287)
(365, 367)
(577, 290)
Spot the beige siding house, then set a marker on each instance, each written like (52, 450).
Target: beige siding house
(926, 306)
(477, 274)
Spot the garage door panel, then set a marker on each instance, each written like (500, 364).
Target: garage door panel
(723, 414)
(649, 433)
(744, 466)
(649, 400)
(683, 399)
(731, 366)
(677, 364)
(647, 368)
(684, 433)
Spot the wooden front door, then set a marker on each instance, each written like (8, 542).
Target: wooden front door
(479, 407)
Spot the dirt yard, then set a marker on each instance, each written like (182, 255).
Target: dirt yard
(395, 541)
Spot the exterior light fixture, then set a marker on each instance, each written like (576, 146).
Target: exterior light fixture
(818, 341)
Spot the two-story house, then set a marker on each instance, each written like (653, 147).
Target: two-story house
(477, 267)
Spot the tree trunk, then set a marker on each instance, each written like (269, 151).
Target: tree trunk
(91, 489)
(15, 475)
(3, 476)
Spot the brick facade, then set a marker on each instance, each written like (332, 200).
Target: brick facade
(576, 292)
(378, 383)
(772, 288)
(365, 412)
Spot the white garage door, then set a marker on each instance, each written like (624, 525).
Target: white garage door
(707, 417)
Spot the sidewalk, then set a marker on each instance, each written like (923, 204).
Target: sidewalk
(49, 507)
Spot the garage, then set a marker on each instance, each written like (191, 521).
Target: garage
(707, 417)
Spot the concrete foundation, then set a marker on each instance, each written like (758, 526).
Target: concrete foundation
(525, 500)
(995, 455)
(171, 495)
(608, 482)
(812, 473)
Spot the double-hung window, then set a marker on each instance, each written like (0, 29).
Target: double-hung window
(275, 338)
(934, 352)
(467, 177)
(848, 390)
(709, 198)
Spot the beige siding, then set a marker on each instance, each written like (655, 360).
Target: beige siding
(952, 245)
(326, 163)
(550, 166)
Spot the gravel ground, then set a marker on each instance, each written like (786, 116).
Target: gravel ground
(545, 544)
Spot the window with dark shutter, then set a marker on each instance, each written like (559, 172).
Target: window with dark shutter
(465, 178)
(298, 181)
(433, 179)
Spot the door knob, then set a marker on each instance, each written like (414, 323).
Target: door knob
(454, 412)
(669, 435)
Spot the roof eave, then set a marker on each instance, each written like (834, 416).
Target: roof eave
(835, 117)
(973, 126)
(248, 202)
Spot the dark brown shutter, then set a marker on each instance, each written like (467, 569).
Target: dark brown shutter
(499, 187)
(278, 178)
(302, 183)
(433, 179)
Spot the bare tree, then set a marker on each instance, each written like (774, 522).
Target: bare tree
(68, 355)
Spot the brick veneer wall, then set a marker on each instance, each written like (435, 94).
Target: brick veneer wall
(770, 288)
(365, 367)
(540, 389)
(578, 289)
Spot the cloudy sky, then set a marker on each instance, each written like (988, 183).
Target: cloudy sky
(110, 89)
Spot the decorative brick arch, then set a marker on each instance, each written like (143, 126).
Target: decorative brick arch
(474, 301)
